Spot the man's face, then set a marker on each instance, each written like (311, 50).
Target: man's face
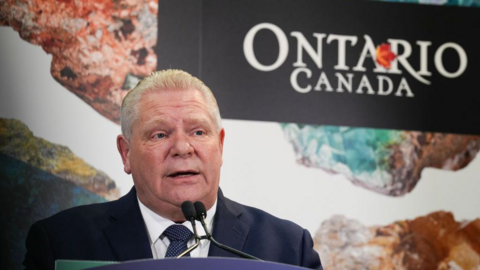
(175, 152)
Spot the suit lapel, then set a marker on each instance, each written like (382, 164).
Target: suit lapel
(127, 232)
(128, 237)
(228, 229)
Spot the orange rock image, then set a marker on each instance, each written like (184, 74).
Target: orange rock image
(99, 49)
(435, 241)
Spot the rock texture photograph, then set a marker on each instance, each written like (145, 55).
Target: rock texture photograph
(434, 241)
(39, 179)
(385, 161)
(100, 49)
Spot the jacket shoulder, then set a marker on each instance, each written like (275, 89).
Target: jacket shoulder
(82, 216)
(275, 239)
(257, 218)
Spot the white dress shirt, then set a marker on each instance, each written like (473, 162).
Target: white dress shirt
(157, 224)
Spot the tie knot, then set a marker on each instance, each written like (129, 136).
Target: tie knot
(178, 233)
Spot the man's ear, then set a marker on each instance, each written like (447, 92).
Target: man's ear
(221, 136)
(123, 147)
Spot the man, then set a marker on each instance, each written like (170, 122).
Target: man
(172, 144)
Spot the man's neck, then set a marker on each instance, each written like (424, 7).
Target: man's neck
(169, 211)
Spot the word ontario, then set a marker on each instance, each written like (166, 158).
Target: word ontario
(342, 80)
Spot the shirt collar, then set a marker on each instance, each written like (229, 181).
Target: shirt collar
(157, 224)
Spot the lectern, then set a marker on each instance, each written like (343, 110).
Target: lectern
(197, 264)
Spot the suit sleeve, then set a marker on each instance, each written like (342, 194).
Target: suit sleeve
(310, 258)
(39, 251)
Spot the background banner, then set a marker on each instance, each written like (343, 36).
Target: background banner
(357, 120)
(347, 63)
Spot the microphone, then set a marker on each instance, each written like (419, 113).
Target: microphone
(190, 214)
(201, 215)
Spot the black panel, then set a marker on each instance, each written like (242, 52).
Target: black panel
(446, 105)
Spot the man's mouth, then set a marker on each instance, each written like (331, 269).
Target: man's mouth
(183, 174)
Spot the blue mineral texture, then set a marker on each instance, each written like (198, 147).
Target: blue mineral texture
(39, 179)
(461, 3)
(386, 161)
(17, 141)
(28, 194)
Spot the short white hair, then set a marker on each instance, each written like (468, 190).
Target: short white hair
(171, 79)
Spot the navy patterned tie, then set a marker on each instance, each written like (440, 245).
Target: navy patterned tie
(178, 236)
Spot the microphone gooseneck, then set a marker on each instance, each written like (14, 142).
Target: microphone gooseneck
(201, 215)
(190, 214)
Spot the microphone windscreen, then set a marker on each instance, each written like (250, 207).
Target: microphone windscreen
(200, 209)
(189, 210)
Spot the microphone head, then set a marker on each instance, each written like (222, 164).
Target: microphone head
(189, 210)
(200, 209)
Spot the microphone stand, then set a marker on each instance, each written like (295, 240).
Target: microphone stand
(197, 239)
(197, 242)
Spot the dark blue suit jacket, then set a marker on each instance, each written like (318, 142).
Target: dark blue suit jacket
(115, 231)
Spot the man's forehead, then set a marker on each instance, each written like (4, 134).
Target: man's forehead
(155, 107)
(176, 93)
(163, 120)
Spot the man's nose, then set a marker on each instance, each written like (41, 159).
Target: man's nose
(181, 146)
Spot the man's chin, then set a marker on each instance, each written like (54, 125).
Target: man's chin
(189, 194)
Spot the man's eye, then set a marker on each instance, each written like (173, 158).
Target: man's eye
(199, 133)
(160, 136)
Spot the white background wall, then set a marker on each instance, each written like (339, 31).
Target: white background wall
(259, 164)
